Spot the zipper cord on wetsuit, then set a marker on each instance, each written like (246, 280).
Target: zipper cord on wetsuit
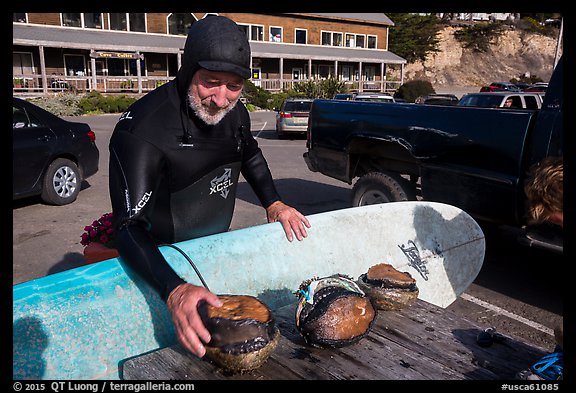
(189, 260)
(186, 137)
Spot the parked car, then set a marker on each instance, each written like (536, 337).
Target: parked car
(500, 86)
(538, 87)
(438, 99)
(292, 117)
(522, 86)
(50, 156)
(374, 97)
(519, 100)
(344, 96)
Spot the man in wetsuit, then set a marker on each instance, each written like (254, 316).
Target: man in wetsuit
(175, 158)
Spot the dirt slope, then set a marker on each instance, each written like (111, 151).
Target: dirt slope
(514, 54)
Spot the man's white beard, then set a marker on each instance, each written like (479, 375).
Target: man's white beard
(203, 112)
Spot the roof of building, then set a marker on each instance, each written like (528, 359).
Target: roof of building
(323, 52)
(363, 17)
(60, 37)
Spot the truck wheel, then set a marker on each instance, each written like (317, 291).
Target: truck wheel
(378, 187)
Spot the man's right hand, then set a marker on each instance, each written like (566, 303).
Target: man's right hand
(183, 306)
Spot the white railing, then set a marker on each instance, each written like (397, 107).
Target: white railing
(276, 85)
(32, 84)
(26, 84)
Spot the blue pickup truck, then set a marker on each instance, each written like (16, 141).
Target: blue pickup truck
(473, 158)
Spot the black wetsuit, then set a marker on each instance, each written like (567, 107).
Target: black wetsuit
(173, 178)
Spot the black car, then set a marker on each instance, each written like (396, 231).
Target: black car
(438, 99)
(50, 156)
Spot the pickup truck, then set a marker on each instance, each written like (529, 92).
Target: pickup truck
(473, 158)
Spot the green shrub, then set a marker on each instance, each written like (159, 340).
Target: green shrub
(89, 102)
(277, 99)
(414, 89)
(324, 88)
(94, 103)
(70, 104)
(309, 88)
(250, 107)
(255, 95)
(330, 86)
(61, 104)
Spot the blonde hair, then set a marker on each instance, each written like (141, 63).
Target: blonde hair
(544, 188)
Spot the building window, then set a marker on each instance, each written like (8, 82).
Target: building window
(372, 43)
(275, 34)
(337, 39)
(71, 19)
(128, 21)
(325, 71)
(118, 21)
(19, 17)
(369, 73)
(350, 41)
(331, 38)
(347, 73)
(22, 63)
(123, 67)
(117, 67)
(300, 36)
(75, 65)
(245, 29)
(77, 19)
(356, 40)
(137, 22)
(179, 24)
(257, 33)
(93, 20)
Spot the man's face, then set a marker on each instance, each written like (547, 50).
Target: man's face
(213, 94)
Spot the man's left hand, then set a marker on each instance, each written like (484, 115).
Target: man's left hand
(293, 222)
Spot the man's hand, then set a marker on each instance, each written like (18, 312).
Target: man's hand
(291, 219)
(183, 306)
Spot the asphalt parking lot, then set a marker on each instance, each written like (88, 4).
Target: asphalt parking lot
(516, 291)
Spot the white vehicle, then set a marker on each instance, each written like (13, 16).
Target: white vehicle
(502, 99)
(377, 97)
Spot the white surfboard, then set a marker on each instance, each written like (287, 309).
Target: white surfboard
(441, 246)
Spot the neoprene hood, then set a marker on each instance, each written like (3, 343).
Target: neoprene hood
(215, 43)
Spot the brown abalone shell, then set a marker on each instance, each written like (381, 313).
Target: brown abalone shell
(243, 332)
(388, 288)
(334, 312)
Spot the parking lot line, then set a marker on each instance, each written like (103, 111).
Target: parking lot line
(508, 314)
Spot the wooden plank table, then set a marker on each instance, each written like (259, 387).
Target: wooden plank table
(422, 342)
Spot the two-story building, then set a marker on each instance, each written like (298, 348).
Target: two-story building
(136, 52)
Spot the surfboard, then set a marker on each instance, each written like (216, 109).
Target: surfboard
(81, 323)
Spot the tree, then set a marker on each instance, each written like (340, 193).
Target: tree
(414, 36)
(479, 36)
(411, 90)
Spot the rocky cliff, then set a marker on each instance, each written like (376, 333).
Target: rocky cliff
(514, 54)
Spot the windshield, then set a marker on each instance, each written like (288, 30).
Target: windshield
(486, 101)
(298, 106)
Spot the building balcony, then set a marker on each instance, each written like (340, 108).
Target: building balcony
(24, 85)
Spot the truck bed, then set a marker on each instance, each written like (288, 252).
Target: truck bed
(461, 151)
